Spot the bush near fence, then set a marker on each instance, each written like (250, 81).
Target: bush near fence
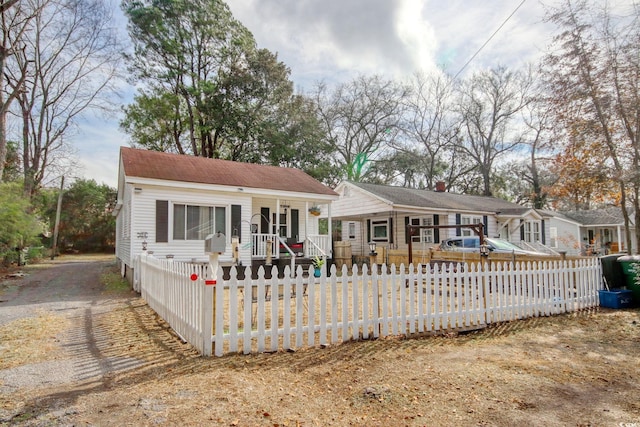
(281, 314)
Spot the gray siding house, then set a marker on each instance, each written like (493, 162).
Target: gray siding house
(380, 213)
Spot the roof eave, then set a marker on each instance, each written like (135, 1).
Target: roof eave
(228, 188)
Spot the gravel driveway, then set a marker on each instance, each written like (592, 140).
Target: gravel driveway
(69, 292)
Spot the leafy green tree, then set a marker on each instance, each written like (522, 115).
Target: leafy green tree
(19, 227)
(86, 222)
(210, 92)
(181, 50)
(12, 171)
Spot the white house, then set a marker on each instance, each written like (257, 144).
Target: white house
(602, 230)
(380, 214)
(564, 233)
(168, 203)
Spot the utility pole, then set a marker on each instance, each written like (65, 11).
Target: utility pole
(54, 247)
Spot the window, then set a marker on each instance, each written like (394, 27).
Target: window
(283, 225)
(531, 231)
(553, 237)
(197, 222)
(468, 220)
(352, 230)
(380, 231)
(426, 234)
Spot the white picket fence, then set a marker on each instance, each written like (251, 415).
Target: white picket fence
(280, 314)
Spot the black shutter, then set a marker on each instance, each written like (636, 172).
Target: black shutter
(391, 230)
(458, 222)
(436, 231)
(264, 220)
(368, 231)
(162, 221)
(406, 230)
(522, 230)
(485, 223)
(544, 234)
(236, 220)
(295, 224)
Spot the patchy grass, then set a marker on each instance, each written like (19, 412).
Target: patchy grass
(113, 282)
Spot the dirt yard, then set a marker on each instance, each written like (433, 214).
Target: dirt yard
(76, 352)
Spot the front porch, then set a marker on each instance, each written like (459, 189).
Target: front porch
(282, 232)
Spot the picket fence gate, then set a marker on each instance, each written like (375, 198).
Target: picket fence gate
(291, 312)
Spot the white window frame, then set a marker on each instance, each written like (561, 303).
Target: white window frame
(532, 231)
(202, 233)
(382, 223)
(426, 234)
(469, 220)
(553, 237)
(351, 230)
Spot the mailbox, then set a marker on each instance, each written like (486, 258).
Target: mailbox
(215, 243)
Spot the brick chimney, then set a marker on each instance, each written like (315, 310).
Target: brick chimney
(440, 187)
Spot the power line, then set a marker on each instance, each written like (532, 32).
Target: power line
(489, 39)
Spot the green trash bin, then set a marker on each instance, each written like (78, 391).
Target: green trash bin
(631, 270)
(612, 271)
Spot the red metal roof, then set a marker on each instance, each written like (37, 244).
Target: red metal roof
(185, 168)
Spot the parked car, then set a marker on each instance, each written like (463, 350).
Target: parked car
(472, 244)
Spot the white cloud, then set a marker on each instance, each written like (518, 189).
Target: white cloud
(335, 40)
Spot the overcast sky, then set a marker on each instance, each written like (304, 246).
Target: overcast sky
(335, 40)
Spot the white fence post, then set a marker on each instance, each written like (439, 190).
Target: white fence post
(207, 311)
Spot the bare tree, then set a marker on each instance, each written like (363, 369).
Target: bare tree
(429, 127)
(14, 24)
(361, 119)
(489, 103)
(72, 54)
(538, 139)
(594, 75)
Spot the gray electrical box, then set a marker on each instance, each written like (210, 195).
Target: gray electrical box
(215, 243)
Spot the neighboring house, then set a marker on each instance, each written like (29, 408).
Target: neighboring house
(169, 203)
(564, 233)
(380, 213)
(602, 230)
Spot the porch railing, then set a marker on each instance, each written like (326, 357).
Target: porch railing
(292, 254)
(260, 241)
(319, 246)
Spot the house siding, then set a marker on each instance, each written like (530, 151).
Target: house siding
(123, 222)
(363, 208)
(568, 233)
(354, 201)
(144, 216)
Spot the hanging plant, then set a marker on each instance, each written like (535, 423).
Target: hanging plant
(314, 210)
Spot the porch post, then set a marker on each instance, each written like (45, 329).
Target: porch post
(619, 239)
(277, 233)
(305, 246)
(330, 229)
